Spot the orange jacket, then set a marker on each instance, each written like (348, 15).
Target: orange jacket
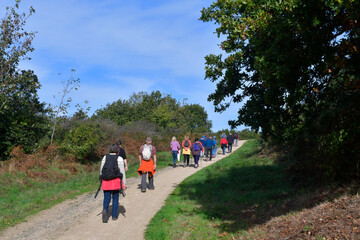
(183, 142)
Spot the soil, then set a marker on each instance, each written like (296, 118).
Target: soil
(80, 218)
(338, 219)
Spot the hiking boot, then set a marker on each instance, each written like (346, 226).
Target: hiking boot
(196, 166)
(143, 190)
(104, 218)
(184, 165)
(152, 188)
(114, 218)
(174, 166)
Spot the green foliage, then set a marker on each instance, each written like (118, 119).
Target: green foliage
(160, 109)
(295, 64)
(23, 116)
(83, 139)
(196, 119)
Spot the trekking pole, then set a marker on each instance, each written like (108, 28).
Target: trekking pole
(121, 188)
(97, 192)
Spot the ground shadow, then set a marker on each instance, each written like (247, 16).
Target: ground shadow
(121, 211)
(245, 196)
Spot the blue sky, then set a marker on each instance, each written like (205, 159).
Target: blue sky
(121, 47)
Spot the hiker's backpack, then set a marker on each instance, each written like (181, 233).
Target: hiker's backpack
(186, 143)
(110, 169)
(196, 147)
(146, 152)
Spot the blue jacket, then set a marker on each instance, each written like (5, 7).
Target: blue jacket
(209, 143)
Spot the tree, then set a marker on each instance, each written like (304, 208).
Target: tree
(69, 85)
(160, 109)
(23, 117)
(295, 63)
(14, 45)
(196, 118)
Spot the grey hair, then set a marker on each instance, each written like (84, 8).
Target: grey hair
(113, 148)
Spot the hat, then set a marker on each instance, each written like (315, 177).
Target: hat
(148, 139)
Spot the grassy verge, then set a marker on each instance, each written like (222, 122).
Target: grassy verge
(21, 195)
(223, 200)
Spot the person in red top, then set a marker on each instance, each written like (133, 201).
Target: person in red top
(147, 159)
(111, 187)
(223, 144)
(186, 144)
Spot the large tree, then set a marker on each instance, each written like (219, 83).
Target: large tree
(23, 120)
(160, 109)
(295, 64)
(196, 119)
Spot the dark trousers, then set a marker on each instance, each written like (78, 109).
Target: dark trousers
(230, 147)
(196, 159)
(209, 150)
(143, 181)
(186, 159)
(115, 202)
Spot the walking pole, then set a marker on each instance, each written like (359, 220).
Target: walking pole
(97, 192)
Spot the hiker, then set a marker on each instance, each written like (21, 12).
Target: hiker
(223, 144)
(196, 148)
(230, 140)
(223, 135)
(175, 147)
(215, 147)
(202, 141)
(186, 144)
(147, 159)
(209, 145)
(110, 176)
(123, 167)
(236, 138)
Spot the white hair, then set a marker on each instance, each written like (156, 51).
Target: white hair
(173, 139)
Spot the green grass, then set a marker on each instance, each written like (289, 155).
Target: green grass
(21, 196)
(223, 200)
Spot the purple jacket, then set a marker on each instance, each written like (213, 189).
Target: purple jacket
(175, 146)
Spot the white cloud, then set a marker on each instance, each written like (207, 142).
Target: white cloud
(120, 47)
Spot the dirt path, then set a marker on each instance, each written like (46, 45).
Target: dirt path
(80, 218)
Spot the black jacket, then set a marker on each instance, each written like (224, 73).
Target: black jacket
(230, 139)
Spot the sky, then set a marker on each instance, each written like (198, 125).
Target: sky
(120, 47)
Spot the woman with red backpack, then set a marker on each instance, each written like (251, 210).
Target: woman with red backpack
(196, 148)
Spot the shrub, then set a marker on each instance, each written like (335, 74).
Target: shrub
(82, 140)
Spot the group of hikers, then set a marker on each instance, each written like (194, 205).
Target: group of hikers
(114, 164)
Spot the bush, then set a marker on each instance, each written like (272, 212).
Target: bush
(82, 140)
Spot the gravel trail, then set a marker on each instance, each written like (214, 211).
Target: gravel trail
(80, 218)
